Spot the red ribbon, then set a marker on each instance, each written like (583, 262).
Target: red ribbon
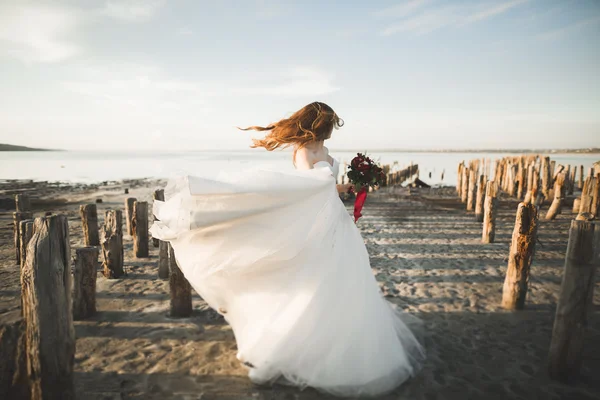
(361, 196)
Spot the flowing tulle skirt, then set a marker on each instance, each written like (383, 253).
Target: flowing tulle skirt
(278, 255)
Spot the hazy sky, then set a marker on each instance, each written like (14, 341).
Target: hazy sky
(175, 75)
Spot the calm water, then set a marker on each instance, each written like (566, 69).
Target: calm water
(89, 167)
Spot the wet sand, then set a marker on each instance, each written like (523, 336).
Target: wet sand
(427, 255)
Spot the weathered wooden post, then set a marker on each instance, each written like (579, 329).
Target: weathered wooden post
(481, 184)
(140, 229)
(595, 209)
(530, 170)
(19, 216)
(112, 244)
(537, 197)
(465, 184)
(472, 190)
(559, 197)
(181, 291)
(47, 310)
(489, 213)
(129, 213)
(576, 205)
(84, 282)
(163, 260)
(569, 181)
(13, 368)
(521, 254)
(581, 177)
(587, 195)
(159, 194)
(459, 176)
(89, 222)
(25, 234)
(512, 180)
(575, 300)
(521, 183)
(545, 177)
(22, 203)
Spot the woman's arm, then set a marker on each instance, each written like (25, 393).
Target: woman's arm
(344, 187)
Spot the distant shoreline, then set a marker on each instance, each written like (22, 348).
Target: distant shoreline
(10, 147)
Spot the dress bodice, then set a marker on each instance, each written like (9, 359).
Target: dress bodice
(335, 168)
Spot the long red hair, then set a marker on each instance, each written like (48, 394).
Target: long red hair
(312, 123)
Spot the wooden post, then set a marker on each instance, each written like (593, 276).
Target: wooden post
(575, 300)
(129, 213)
(13, 368)
(569, 185)
(559, 197)
(22, 203)
(512, 180)
(481, 184)
(181, 291)
(139, 225)
(545, 177)
(84, 282)
(587, 195)
(521, 183)
(576, 205)
(465, 184)
(159, 194)
(25, 234)
(163, 260)
(459, 176)
(537, 197)
(472, 190)
(489, 213)
(580, 180)
(89, 222)
(522, 249)
(19, 216)
(112, 244)
(530, 170)
(47, 310)
(595, 208)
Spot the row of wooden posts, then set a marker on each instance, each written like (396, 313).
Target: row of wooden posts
(53, 293)
(540, 180)
(533, 179)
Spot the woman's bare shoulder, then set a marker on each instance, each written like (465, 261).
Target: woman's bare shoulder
(305, 158)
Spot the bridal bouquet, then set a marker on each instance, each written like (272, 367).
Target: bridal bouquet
(363, 173)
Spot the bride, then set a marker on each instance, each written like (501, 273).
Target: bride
(278, 255)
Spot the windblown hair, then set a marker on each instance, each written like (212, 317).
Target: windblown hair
(312, 123)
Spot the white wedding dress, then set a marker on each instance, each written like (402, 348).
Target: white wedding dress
(279, 256)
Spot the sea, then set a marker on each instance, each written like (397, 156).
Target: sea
(435, 168)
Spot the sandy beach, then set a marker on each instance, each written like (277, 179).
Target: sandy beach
(427, 255)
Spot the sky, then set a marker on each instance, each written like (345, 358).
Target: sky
(416, 74)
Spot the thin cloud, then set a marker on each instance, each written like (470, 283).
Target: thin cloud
(132, 10)
(145, 87)
(432, 19)
(558, 33)
(492, 11)
(400, 10)
(38, 33)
